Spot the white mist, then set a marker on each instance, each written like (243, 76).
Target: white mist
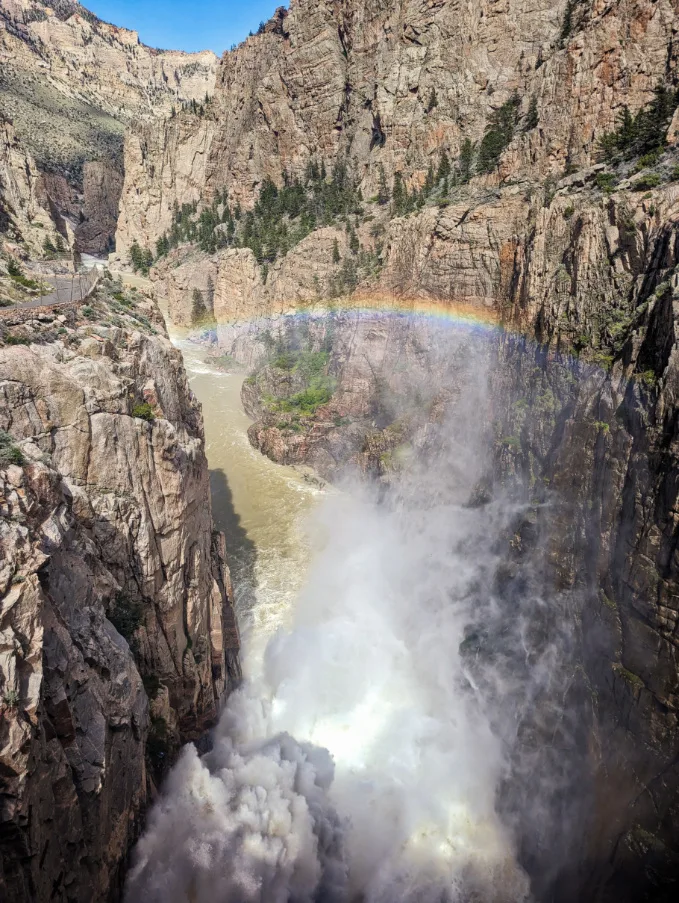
(387, 791)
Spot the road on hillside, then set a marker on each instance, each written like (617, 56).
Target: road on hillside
(65, 290)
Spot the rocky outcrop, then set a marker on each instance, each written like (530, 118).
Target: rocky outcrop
(23, 217)
(115, 596)
(234, 286)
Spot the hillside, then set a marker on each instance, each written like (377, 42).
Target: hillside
(70, 84)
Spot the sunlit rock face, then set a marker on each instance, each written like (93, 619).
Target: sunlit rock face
(354, 81)
(118, 637)
(70, 85)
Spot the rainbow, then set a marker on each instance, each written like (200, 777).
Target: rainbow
(470, 316)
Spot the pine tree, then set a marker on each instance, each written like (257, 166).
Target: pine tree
(61, 247)
(498, 135)
(382, 187)
(354, 244)
(567, 26)
(466, 161)
(429, 181)
(136, 256)
(444, 167)
(335, 252)
(399, 194)
(198, 311)
(162, 246)
(532, 118)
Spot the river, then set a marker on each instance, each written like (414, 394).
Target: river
(263, 508)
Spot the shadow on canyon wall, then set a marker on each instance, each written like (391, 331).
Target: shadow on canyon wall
(242, 551)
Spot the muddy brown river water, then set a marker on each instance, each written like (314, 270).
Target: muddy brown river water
(264, 509)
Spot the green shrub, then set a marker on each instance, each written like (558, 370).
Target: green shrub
(568, 212)
(648, 378)
(143, 411)
(88, 312)
(307, 402)
(14, 269)
(606, 181)
(312, 363)
(674, 174)
(10, 699)
(649, 159)
(126, 615)
(285, 361)
(512, 442)
(17, 275)
(9, 452)
(645, 183)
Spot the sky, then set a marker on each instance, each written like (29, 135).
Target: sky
(187, 24)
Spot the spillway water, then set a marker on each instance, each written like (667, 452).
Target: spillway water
(357, 760)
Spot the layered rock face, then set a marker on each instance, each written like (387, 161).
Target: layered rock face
(102, 185)
(118, 636)
(595, 455)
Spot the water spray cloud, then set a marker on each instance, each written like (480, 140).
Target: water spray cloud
(388, 790)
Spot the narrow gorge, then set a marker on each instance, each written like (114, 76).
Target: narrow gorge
(338, 525)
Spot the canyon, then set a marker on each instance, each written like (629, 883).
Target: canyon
(374, 210)
(69, 86)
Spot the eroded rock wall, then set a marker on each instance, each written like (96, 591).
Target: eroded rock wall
(118, 637)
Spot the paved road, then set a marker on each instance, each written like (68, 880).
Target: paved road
(65, 290)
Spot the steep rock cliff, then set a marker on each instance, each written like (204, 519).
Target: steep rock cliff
(116, 598)
(24, 218)
(70, 83)
(394, 85)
